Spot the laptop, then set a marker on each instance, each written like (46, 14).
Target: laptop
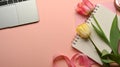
(17, 12)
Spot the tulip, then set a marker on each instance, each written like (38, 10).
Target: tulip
(83, 30)
(85, 7)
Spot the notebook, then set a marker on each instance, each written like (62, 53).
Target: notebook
(105, 17)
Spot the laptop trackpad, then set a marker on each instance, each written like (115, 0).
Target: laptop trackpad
(8, 16)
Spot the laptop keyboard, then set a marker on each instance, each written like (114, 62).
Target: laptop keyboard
(5, 2)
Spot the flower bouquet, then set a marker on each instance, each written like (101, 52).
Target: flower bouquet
(83, 30)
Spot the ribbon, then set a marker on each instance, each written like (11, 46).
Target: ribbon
(83, 60)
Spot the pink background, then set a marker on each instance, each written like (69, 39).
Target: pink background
(35, 45)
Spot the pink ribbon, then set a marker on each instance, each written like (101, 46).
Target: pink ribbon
(83, 60)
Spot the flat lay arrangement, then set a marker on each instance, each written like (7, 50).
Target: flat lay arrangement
(68, 33)
(98, 37)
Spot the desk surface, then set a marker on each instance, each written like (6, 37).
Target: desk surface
(35, 45)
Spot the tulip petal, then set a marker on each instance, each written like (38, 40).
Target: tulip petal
(88, 4)
(80, 11)
(83, 30)
(82, 8)
(85, 7)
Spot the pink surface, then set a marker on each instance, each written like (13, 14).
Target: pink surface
(35, 45)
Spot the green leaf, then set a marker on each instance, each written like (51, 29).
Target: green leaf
(104, 53)
(105, 57)
(114, 36)
(101, 34)
(115, 58)
(97, 23)
(107, 61)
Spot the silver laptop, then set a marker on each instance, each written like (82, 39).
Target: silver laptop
(17, 12)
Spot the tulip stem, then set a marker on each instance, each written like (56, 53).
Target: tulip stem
(98, 51)
(95, 46)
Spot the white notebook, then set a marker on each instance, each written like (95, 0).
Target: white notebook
(105, 17)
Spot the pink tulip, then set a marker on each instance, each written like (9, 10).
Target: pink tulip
(85, 7)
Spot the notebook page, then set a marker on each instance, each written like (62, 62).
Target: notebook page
(86, 47)
(105, 18)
